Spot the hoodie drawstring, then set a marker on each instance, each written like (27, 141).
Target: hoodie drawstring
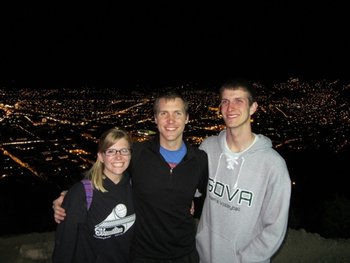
(232, 164)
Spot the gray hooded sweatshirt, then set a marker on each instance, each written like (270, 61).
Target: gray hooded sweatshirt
(245, 213)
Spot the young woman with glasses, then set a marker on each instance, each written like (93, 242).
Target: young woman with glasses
(101, 231)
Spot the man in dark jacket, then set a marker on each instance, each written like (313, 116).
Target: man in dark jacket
(166, 172)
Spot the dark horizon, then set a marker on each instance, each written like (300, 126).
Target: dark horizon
(142, 82)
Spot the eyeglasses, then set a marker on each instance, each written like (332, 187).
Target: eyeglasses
(113, 152)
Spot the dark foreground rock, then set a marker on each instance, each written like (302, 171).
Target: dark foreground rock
(299, 246)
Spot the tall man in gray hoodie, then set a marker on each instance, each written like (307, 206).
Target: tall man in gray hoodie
(245, 214)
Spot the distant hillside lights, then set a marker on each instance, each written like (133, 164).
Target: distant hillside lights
(146, 132)
(214, 109)
(17, 105)
(78, 152)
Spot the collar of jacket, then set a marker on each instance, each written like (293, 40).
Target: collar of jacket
(154, 145)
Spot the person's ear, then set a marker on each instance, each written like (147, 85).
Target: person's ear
(100, 157)
(253, 108)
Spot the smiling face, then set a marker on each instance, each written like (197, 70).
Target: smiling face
(235, 108)
(171, 118)
(115, 165)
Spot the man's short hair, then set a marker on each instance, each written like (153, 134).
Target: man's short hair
(169, 95)
(240, 84)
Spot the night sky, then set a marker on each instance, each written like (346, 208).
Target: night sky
(47, 43)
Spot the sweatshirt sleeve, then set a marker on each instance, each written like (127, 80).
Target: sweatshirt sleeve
(274, 217)
(67, 231)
